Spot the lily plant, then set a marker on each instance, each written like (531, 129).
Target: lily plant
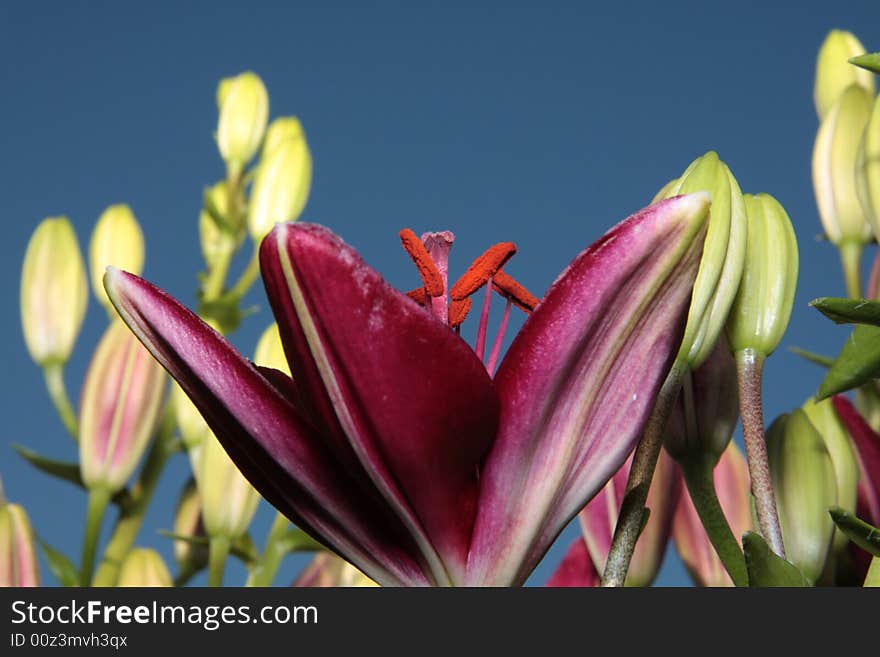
(394, 442)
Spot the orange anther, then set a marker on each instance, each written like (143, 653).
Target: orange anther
(482, 269)
(427, 269)
(418, 295)
(458, 310)
(504, 284)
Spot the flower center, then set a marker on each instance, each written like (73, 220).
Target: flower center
(430, 253)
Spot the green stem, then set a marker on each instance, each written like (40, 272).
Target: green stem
(701, 487)
(851, 258)
(263, 573)
(632, 509)
(749, 370)
(53, 374)
(217, 553)
(187, 572)
(97, 505)
(212, 289)
(248, 276)
(132, 516)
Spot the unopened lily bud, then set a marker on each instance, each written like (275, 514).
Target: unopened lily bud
(328, 570)
(188, 522)
(285, 128)
(694, 547)
(54, 291)
(270, 352)
(120, 408)
(665, 191)
(117, 240)
(281, 186)
(763, 304)
(228, 499)
(723, 257)
(18, 556)
(144, 567)
(835, 156)
(837, 441)
(804, 483)
(868, 169)
(599, 518)
(212, 236)
(192, 426)
(834, 73)
(244, 111)
(702, 421)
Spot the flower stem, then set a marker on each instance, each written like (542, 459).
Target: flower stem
(701, 487)
(263, 573)
(53, 374)
(248, 276)
(218, 551)
(132, 516)
(851, 258)
(212, 289)
(749, 370)
(97, 505)
(632, 509)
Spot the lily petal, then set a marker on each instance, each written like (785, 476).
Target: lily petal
(576, 568)
(276, 449)
(400, 393)
(867, 443)
(579, 381)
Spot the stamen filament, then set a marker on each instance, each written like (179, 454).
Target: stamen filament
(499, 339)
(480, 347)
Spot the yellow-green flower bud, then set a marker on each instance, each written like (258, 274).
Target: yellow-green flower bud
(270, 351)
(665, 191)
(18, 556)
(702, 421)
(116, 241)
(244, 111)
(192, 426)
(144, 567)
(285, 128)
(834, 73)
(846, 469)
(868, 169)
(210, 234)
(763, 304)
(724, 251)
(804, 483)
(835, 156)
(228, 500)
(54, 291)
(872, 579)
(120, 408)
(188, 522)
(281, 186)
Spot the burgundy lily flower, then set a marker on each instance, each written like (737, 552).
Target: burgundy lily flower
(391, 443)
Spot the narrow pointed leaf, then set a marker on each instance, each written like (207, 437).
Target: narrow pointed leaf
(848, 311)
(579, 381)
(296, 540)
(858, 362)
(859, 532)
(58, 469)
(816, 359)
(275, 448)
(62, 567)
(870, 62)
(766, 568)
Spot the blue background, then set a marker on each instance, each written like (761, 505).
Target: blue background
(542, 123)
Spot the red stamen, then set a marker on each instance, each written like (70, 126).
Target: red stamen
(484, 324)
(427, 269)
(458, 311)
(499, 339)
(418, 295)
(482, 269)
(505, 285)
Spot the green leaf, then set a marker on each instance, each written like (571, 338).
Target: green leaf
(243, 549)
(816, 359)
(859, 532)
(766, 568)
(858, 362)
(58, 469)
(296, 540)
(848, 311)
(870, 61)
(60, 565)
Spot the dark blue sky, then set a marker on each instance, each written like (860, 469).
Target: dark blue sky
(541, 123)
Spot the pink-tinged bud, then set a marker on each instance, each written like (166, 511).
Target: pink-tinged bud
(599, 518)
(18, 557)
(144, 567)
(703, 419)
(732, 487)
(119, 408)
(576, 570)
(327, 570)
